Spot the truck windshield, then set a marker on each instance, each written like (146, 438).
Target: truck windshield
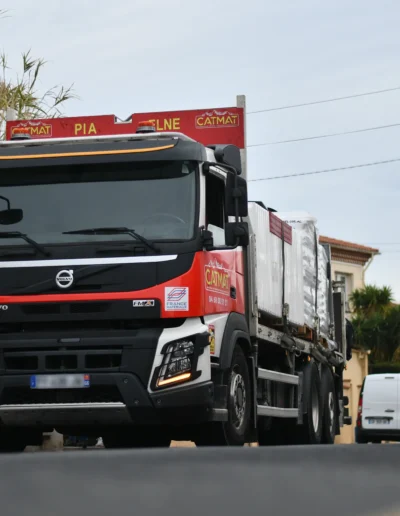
(156, 199)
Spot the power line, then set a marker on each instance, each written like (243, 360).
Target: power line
(326, 135)
(291, 106)
(327, 170)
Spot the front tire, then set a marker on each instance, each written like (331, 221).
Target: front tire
(233, 432)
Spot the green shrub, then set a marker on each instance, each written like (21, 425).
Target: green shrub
(384, 367)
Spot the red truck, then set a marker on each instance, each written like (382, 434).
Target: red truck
(143, 298)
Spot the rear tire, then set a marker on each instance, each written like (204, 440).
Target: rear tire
(136, 437)
(329, 407)
(235, 430)
(310, 432)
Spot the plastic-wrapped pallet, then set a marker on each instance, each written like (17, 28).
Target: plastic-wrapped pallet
(323, 291)
(316, 301)
(271, 234)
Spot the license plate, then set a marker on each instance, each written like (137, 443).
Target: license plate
(378, 421)
(60, 381)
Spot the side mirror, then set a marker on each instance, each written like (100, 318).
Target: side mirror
(237, 233)
(232, 193)
(11, 216)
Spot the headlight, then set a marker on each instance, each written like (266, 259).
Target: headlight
(177, 364)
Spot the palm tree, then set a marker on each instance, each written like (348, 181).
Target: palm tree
(371, 299)
(376, 322)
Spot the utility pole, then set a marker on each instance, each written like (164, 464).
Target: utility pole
(241, 103)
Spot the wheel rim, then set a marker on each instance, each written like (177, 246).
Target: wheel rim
(331, 406)
(238, 397)
(315, 408)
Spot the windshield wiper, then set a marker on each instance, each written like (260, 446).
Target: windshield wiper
(18, 234)
(114, 231)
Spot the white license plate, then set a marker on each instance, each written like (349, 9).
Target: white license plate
(60, 381)
(378, 421)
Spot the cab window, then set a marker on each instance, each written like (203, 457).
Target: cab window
(215, 216)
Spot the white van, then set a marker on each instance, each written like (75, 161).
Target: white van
(379, 409)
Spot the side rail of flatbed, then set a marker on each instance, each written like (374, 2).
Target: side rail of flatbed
(297, 347)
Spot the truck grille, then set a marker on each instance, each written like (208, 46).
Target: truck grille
(55, 360)
(63, 324)
(58, 308)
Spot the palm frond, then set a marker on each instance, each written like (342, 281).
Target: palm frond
(23, 94)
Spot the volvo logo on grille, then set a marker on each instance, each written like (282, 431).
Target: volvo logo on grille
(65, 278)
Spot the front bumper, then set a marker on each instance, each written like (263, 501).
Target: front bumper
(362, 435)
(121, 364)
(127, 403)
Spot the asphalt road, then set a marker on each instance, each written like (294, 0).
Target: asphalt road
(323, 481)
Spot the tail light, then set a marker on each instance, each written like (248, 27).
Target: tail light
(359, 411)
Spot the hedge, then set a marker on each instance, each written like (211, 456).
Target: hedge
(384, 367)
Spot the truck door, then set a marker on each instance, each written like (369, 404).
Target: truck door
(380, 402)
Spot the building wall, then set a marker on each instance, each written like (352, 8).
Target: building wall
(349, 268)
(354, 278)
(357, 367)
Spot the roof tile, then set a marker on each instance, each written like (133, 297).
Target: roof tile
(347, 245)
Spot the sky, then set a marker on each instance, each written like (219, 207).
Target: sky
(130, 56)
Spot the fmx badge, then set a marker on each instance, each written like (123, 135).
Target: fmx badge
(211, 338)
(143, 303)
(177, 299)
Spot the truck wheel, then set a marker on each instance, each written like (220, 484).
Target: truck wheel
(234, 431)
(329, 407)
(310, 432)
(137, 437)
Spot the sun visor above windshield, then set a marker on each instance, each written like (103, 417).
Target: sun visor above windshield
(100, 152)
